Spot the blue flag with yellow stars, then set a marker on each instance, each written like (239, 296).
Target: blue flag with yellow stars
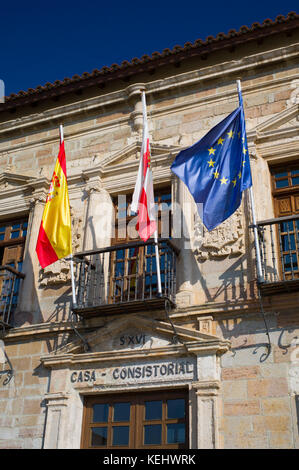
(216, 169)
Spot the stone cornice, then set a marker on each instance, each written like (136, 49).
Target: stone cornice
(236, 68)
(189, 348)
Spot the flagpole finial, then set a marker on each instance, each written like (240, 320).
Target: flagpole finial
(61, 133)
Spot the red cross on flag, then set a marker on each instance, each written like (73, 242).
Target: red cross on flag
(143, 202)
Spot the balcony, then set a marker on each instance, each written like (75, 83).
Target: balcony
(279, 248)
(9, 288)
(123, 278)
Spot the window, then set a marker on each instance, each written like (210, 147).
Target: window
(12, 241)
(133, 271)
(137, 421)
(125, 222)
(285, 189)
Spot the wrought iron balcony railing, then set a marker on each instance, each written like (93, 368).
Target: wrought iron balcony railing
(9, 289)
(124, 278)
(279, 249)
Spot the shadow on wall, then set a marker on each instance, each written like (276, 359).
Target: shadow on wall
(28, 310)
(236, 282)
(247, 333)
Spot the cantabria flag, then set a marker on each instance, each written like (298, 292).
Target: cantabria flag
(55, 238)
(143, 202)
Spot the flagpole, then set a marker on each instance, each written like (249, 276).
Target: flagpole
(155, 233)
(251, 197)
(71, 255)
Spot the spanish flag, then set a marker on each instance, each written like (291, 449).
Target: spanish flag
(55, 238)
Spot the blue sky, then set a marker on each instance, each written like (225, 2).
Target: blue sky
(47, 41)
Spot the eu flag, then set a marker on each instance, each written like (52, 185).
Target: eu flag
(216, 169)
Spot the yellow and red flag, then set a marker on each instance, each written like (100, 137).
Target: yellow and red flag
(55, 238)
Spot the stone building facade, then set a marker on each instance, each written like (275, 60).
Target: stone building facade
(219, 366)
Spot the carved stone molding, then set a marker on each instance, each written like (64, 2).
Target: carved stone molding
(206, 387)
(134, 98)
(225, 240)
(94, 186)
(39, 198)
(59, 272)
(205, 325)
(57, 399)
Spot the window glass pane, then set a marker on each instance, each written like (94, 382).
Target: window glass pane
(120, 254)
(282, 183)
(175, 433)
(176, 408)
(288, 242)
(295, 180)
(2, 229)
(121, 412)
(100, 413)
(286, 226)
(16, 226)
(2, 235)
(99, 436)
(152, 434)
(281, 175)
(120, 436)
(153, 409)
(290, 262)
(295, 172)
(119, 269)
(15, 234)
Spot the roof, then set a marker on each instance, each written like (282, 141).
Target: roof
(149, 63)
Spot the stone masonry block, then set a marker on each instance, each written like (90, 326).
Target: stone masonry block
(235, 390)
(276, 406)
(31, 348)
(12, 350)
(271, 423)
(22, 363)
(272, 387)
(32, 406)
(242, 408)
(280, 440)
(238, 373)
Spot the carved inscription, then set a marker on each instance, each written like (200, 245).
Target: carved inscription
(179, 369)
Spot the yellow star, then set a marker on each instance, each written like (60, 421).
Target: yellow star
(244, 150)
(224, 180)
(230, 134)
(211, 163)
(234, 182)
(220, 141)
(243, 139)
(240, 174)
(243, 162)
(212, 151)
(216, 174)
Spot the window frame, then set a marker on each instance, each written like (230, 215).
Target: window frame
(137, 419)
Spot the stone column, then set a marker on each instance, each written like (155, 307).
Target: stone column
(134, 98)
(183, 229)
(29, 310)
(206, 429)
(99, 216)
(56, 420)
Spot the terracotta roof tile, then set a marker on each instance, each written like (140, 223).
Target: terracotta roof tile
(199, 46)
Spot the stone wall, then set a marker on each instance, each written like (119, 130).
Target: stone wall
(216, 271)
(22, 407)
(259, 392)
